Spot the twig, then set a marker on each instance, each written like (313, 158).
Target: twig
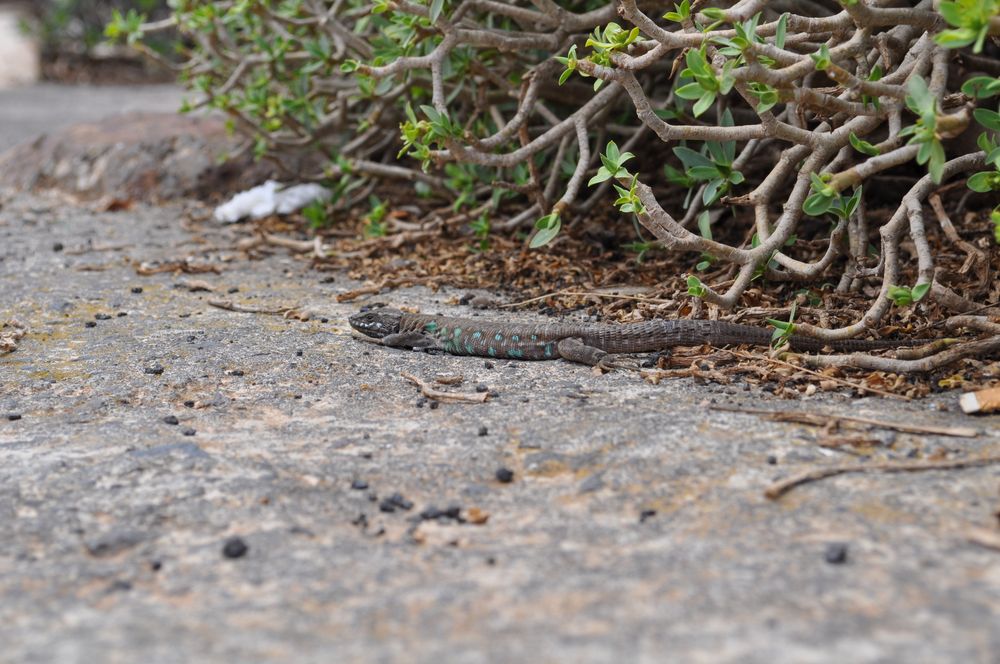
(984, 537)
(848, 383)
(781, 487)
(229, 305)
(445, 397)
(612, 296)
(821, 419)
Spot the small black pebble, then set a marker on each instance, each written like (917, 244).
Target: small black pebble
(189, 432)
(155, 565)
(483, 431)
(505, 475)
(493, 394)
(488, 364)
(324, 320)
(359, 485)
(13, 417)
(189, 404)
(102, 317)
(491, 561)
(397, 500)
(482, 388)
(232, 290)
(137, 289)
(836, 553)
(646, 514)
(235, 372)
(771, 459)
(434, 405)
(235, 547)
(171, 419)
(298, 353)
(58, 246)
(90, 323)
(387, 507)
(155, 370)
(122, 314)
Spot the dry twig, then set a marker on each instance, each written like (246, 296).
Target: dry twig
(781, 487)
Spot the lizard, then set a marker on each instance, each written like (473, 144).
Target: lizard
(590, 343)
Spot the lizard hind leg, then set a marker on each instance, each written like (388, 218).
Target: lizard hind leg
(574, 350)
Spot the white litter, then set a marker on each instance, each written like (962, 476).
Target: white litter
(268, 199)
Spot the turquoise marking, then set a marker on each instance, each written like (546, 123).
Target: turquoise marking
(477, 334)
(468, 348)
(431, 326)
(548, 350)
(498, 337)
(534, 337)
(514, 352)
(492, 351)
(515, 338)
(458, 332)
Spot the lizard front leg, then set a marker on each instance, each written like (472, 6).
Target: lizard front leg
(412, 340)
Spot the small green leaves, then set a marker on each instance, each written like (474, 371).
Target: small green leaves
(821, 58)
(864, 147)
(706, 85)
(349, 66)
(714, 13)
(821, 199)
(971, 20)
(547, 229)
(695, 287)
(984, 182)
(612, 162)
(904, 296)
(127, 26)
(783, 331)
(628, 201)
(922, 102)
(569, 62)
(995, 218)
(682, 12)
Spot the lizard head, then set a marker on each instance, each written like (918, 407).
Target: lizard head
(377, 323)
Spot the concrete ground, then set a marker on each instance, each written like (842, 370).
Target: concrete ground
(185, 483)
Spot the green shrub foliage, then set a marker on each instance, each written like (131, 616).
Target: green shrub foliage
(494, 105)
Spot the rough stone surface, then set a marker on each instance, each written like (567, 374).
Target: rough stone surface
(145, 156)
(634, 528)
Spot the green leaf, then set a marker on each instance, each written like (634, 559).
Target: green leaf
(435, 9)
(862, 146)
(987, 118)
(821, 58)
(703, 104)
(981, 87)
(689, 91)
(695, 287)
(920, 290)
(548, 228)
(779, 31)
(705, 225)
(690, 158)
(817, 204)
(714, 13)
(957, 38)
(984, 182)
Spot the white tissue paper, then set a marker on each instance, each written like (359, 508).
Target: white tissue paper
(268, 199)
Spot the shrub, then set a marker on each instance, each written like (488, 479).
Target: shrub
(773, 116)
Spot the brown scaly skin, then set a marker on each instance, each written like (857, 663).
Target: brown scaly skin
(586, 343)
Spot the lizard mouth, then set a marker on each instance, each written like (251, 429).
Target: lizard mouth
(375, 324)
